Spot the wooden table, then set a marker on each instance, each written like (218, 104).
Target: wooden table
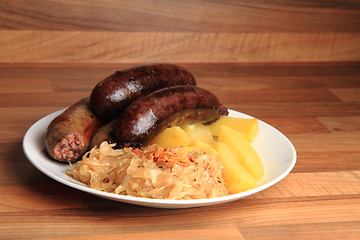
(317, 106)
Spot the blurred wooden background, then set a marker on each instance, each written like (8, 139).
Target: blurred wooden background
(191, 31)
(294, 64)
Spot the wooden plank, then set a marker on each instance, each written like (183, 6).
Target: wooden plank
(56, 72)
(24, 115)
(339, 183)
(302, 212)
(137, 47)
(347, 94)
(297, 125)
(19, 171)
(12, 132)
(22, 198)
(61, 100)
(124, 219)
(170, 16)
(325, 161)
(229, 233)
(308, 109)
(341, 124)
(24, 85)
(309, 231)
(284, 71)
(250, 82)
(232, 96)
(327, 142)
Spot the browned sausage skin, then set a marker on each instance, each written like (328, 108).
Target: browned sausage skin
(113, 94)
(148, 115)
(105, 133)
(68, 135)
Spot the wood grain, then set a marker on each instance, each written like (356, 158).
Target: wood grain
(185, 16)
(197, 31)
(293, 64)
(196, 234)
(135, 47)
(314, 231)
(314, 104)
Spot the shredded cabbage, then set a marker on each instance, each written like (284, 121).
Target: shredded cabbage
(151, 172)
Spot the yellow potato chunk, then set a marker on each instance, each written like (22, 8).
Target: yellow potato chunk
(246, 154)
(199, 131)
(199, 145)
(235, 176)
(247, 126)
(171, 137)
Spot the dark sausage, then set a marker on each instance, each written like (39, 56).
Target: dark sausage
(149, 115)
(105, 133)
(68, 135)
(113, 94)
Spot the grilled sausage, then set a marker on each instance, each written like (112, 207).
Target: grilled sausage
(105, 133)
(149, 115)
(113, 94)
(68, 135)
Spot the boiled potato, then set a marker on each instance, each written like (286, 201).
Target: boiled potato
(199, 131)
(200, 145)
(246, 154)
(197, 145)
(247, 126)
(171, 137)
(235, 175)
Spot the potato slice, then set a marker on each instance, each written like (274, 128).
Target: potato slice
(171, 137)
(235, 176)
(247, 126)
(246, 154)
(199, 131)
(200, 145)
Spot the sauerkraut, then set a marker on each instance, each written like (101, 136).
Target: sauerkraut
(151, 172)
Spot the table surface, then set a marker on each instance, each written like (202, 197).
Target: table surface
(316, 105)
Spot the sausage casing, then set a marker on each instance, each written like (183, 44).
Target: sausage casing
(68, 135)
(113, 94)
(149, 115)
(105, 133)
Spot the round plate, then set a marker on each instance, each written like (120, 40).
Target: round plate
(276, 151)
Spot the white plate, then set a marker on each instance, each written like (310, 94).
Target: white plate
(276, 151)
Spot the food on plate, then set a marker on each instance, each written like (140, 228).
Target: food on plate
(113, 94)
(243, 166)
(246, 154)
(191, 137)
(105, 133)
(199, 131)
(235, 175)
(151, 172)
(198, 145)
(171, 137)
(149, 115)
(247, 126)
(153, 133)
(68, 136)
